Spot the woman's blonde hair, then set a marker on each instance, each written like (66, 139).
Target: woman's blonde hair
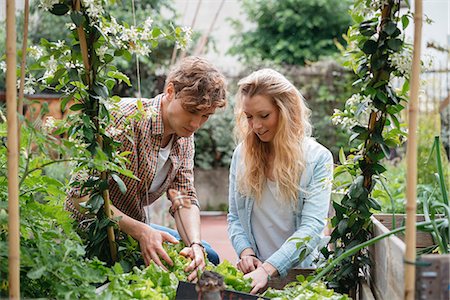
(287, 145)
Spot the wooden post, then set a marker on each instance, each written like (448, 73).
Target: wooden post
(13, 154)
(411, 157)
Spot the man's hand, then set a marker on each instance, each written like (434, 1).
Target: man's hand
(150, 241)
(248, 263)
(197, 254)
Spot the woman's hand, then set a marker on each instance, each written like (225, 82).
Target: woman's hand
(248, 263)
(260, 278)
(197, 254)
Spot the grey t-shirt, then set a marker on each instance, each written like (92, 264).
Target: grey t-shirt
(273, 221)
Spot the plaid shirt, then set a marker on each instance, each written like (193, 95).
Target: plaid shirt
(147, 134)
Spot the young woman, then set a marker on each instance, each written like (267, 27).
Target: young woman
(280, 179)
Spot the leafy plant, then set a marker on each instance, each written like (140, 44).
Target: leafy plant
(85, 74)
(291, 31)
(372, 116)
(52, 255)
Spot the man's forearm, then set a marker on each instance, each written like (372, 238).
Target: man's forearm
(127, 224)
(188, 224)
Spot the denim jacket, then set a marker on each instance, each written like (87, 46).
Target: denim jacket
(310, 216)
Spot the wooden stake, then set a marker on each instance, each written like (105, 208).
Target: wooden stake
(13, 154)
(204, 38)
(411, 158)
(183, 53)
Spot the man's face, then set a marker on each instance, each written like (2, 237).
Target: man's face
(184, 122)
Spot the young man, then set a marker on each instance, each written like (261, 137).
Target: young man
(162, 157)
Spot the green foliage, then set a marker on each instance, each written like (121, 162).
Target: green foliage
(82, 70)
(372, 115)
(214, 143)
(51, 27)
(52, 255)
(291, 31)
(325, 85)
(303, 289)
(150, 283)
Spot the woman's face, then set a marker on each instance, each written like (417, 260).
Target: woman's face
(262, 116)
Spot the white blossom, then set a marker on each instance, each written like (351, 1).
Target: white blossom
(49, 124)
(148, 23)
(101, 51)
(113, 131)
(3, 66)
(2, 117)
(36, 52)
(48, 4)
(402, 61)
(28, 87)
(94, 8)
(59, 44)
(50, 66)
(71, 26)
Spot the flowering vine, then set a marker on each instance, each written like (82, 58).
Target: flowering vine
(378, 54)
(82, 72)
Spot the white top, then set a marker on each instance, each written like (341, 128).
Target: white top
(163, 166)
(273, 221)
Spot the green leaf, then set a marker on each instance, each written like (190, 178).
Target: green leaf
(101, 90)
(390, 27)
(405, 21)
(357, 188)
(370, 47)
(395, 44)
(156, 32)
(342, 156)
(77, 18)
(120, 183)
(36, 273)
(374, 204)
(77, 106)
(120, 76)
(342, 226)
(59, 9)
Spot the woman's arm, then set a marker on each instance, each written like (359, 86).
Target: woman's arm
(236, 232)
(313, 213)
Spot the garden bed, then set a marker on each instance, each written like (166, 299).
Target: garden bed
(387, 271)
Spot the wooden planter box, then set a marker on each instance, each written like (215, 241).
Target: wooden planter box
(387, 272)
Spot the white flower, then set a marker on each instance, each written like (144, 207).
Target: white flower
(28, 87)
(94, 8)
(50, 66)
(402, 61)
(3, 66)
(112, 131)
(148, 23)
(49, 124)
(2, 117)
(101, 52)
(48, 4)
(59, 44)
(71, 26)
(36, 52)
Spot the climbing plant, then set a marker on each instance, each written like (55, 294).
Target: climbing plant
(378, 53)
(82, 71)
